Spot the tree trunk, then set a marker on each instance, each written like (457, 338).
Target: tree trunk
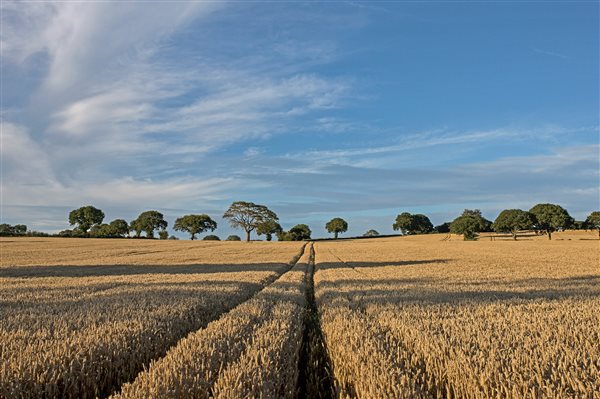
(247, 235)
(514, 236)
(336, 234)
(549, 235)
(193, 236)
(599, 234)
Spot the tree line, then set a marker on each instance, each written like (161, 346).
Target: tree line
(542, 218)
(250, 217)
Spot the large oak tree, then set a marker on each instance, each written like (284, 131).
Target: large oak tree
(195, 224)
(248, 216)
(551, 217)
(85, 217)
(336, 226)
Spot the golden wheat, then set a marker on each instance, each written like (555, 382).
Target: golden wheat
(80, 331)
(250, 352)
(418, 318)
(414, 317)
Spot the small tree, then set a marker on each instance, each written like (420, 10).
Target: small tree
(467, 225)
(421, 224)
(336, 226)
(413, 224)
(149, 221)
(136, 227)
(211, 237)
(101, 231)
(195, 224)
(6, 230)
(85, 217)
(371, 233)
(484, 224)
(248, 216)
(268, 228)
(513, 220)
(20, 229)
(16, 230)
(593, 221)
(119, 227)
(299, 232)
(403, 222)
(234, 237)
(442, 228)
(551, 217)
(163, 234)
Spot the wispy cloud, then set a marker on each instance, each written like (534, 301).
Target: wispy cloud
(442, 137)
(189, 105)
(551, 53)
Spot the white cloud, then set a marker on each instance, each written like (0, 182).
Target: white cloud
(23, 159)
(440, 137)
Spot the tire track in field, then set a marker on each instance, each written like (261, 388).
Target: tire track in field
(384, 338)
(315, 377)
(233, 353)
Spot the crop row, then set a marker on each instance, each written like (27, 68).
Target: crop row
(82, 337)
(251, 351)
(433, 328)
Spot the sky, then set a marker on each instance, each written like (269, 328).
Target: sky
(359, 110)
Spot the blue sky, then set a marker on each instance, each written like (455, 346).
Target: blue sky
(360, 110)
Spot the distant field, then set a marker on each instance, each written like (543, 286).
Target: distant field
(413, 317)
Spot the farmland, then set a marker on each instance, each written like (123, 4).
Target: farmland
(78, 318)
(417, 318)
(414, 317)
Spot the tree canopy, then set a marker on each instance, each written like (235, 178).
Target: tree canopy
(513, 220)
(16, 230)
(484, 224)
(336, 226)
(412, 224)
(85, 217)
(119, 227)
(148, 222)
(268, 228)
(551, 217)
(443, 228)
(195, 224)
(371, 233)
(593, 221)
(467, 225)
(248, 216)
(297, 233)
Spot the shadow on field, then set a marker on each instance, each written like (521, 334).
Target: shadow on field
(128, 270)
(399, 263)
(428, 290)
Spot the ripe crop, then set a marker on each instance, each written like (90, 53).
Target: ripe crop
(415, 317)
(428, 316)
(81, 330)
(250, 352)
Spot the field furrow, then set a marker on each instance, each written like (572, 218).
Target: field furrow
(82, 333)
(251, 351)
(406, 319)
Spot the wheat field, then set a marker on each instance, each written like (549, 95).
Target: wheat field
(80, 317)
(406, 317)
(415, 317)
